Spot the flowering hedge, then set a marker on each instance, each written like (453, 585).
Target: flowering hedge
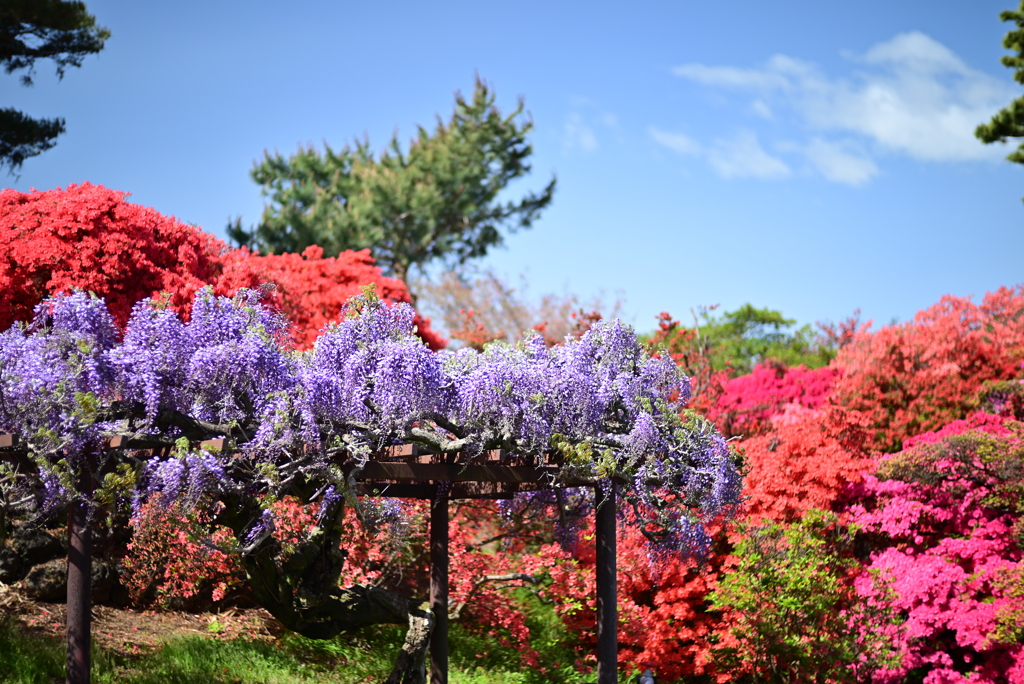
(945, 516)
(931, 553)
(917, 376)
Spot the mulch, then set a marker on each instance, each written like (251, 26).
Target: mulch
(133, 632)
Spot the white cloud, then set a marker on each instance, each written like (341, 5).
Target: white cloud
(582, 125)
(909, 95)
(743, 157)
(731, 77)
(761, 109)
(677, 142)
(739, 157)
(917, 51)
(837, 163)
(576, 133)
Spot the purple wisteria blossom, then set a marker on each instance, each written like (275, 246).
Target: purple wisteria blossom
(150, 364)
(602, 404)
(371, 372)
(54, 381)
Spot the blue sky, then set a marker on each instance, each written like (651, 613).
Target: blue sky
(809, 157)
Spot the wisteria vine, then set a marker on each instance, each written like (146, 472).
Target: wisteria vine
(307, 421)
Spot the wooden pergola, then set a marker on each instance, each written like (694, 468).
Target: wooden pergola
(406, 471)
(410, 471)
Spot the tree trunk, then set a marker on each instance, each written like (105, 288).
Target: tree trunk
(400, 271)
(410, 666)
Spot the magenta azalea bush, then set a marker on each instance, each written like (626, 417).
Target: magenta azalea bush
(945, 513)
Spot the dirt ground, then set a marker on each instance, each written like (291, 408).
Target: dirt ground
(131, 632)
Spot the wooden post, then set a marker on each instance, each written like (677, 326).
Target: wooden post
(607, 613)
(439, 587)
(79, 607)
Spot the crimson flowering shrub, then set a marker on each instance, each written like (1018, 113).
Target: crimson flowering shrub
(665, 621)
(174, 561)
(808, 460)
(747, 403)
(178, 558)
(481, 574)
(311, 290)
(915, 377)
(944, 516)
(87, 237)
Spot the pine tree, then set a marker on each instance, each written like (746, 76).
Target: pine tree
(435, 200)
(1009, 121)
(40, 29)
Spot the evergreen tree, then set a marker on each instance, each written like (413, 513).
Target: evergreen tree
(436, 200)
(40, 29)
(1009, 121)
(738, 340)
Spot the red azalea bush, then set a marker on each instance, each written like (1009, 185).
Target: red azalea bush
(664, 616)
(915, 377)
(177, 559)
(807, 460)
(486, 606)
(311, 289)
(173, 561)
(88, 237)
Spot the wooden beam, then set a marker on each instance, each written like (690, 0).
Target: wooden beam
(454, 472)
(221, 444)
(459, 490)
(403, 451)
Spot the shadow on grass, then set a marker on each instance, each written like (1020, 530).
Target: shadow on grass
(29, 659)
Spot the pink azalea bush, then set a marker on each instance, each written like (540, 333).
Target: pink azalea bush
(943, 515)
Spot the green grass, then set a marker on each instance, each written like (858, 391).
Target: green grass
(363, 656)
(28, 660)
(189, 660)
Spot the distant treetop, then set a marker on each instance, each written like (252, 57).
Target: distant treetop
(437, 200)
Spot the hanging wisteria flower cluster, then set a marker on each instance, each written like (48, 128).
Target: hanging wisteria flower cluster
(600, 406)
